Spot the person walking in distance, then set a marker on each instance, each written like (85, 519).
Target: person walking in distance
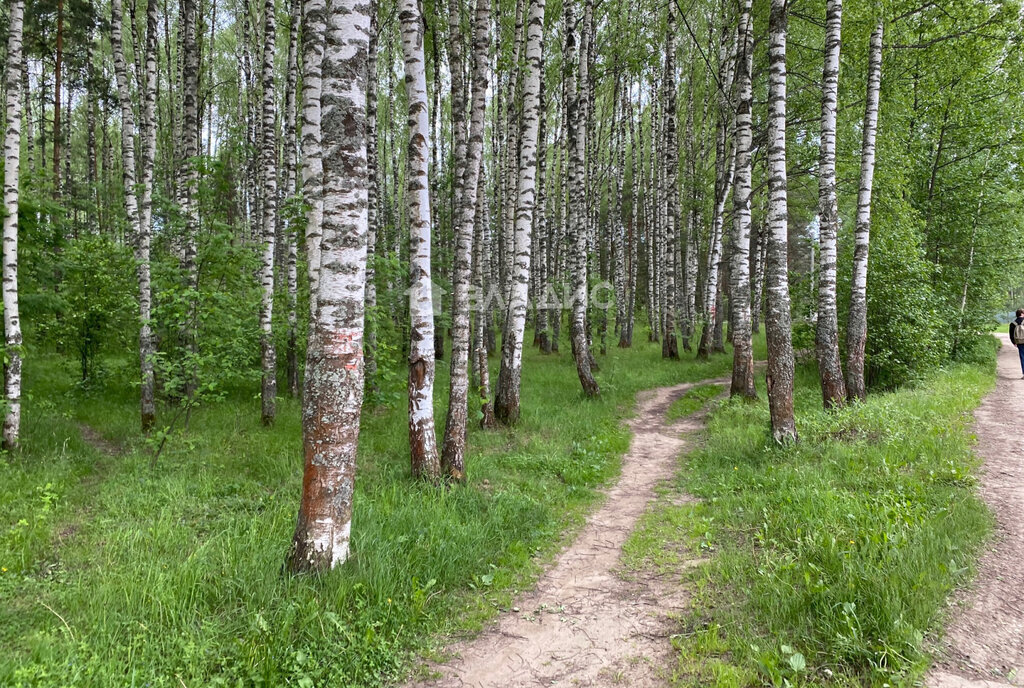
(1017, 336)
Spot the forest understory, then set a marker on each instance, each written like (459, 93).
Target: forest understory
(827, 562)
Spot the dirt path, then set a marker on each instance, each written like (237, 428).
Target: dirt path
(984, 647)
(584, 625)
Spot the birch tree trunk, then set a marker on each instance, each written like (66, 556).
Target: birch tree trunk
(333, 391)
(482, 255)
(12, 169)
(422, 439)
(833, 389)
(313, 28)
(725, 165)
(373, 198)
(857, 324)
(778, 320)
(576, 234)
(740, 329)
(453, 450)
(290, 165)
(146, 348)
(190, 190)
(669, 344)
(507, 399)
(268, 356)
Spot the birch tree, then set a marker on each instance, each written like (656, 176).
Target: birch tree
(333, 394)
(313, 29)
(778, 320)
(669, 344)
(857, 323)
(743, 352)
(422, 439)
(12, 169)
(577, 238)
(268, 356)
(147, 349)
(454, 448)
(507, 398)
(833, 389)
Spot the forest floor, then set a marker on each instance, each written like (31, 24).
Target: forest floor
(984, 646)
(588, 622)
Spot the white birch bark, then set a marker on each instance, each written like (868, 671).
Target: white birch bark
(290, 191)
(857, 324)
(422, 438)
(453, 451)
(333, 394)
(146, 396)
(372, 194)
(313, 29)
(833, 389)
(778, 320)
(507, 398)
(669, 344)
(577, 238)
(12, 169)
(268, 356)
(743, 351)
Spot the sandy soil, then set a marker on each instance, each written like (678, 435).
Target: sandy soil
(984, 646)
(584, 625)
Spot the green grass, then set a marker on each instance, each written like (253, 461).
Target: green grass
(116, 574)
(831, 560)
(694, 400)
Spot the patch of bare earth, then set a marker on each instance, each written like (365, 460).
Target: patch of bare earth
(584, 625)
(984, 646)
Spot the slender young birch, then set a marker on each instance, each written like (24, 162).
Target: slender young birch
(507, 398)
(482, 253)
(372, 195)
(577, 238)
(290, 164)
(146, 348)
(778, 320)
(725, 166)
(743, 351)
(313, 29)
(453, 451)
(190, 189)
(268, 356)
(833, 389)
(422, 440)
(857, 324)
(12, 168)
(669, 344)
(333, 390)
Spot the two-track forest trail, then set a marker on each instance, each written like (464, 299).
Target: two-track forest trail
(584, 624)
(984, 646)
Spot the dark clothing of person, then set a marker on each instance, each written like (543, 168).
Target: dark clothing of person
(1014, 324)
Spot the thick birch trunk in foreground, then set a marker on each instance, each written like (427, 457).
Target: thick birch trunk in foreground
(422, 439)
(333, 394)
(146, 349)
(12, 168)
(506, 402)
(453, 461)
(778, 320)
(743, 350)
(857, 324)
(833, 389)
(313, 29)
(577, 238)
(268, 356)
